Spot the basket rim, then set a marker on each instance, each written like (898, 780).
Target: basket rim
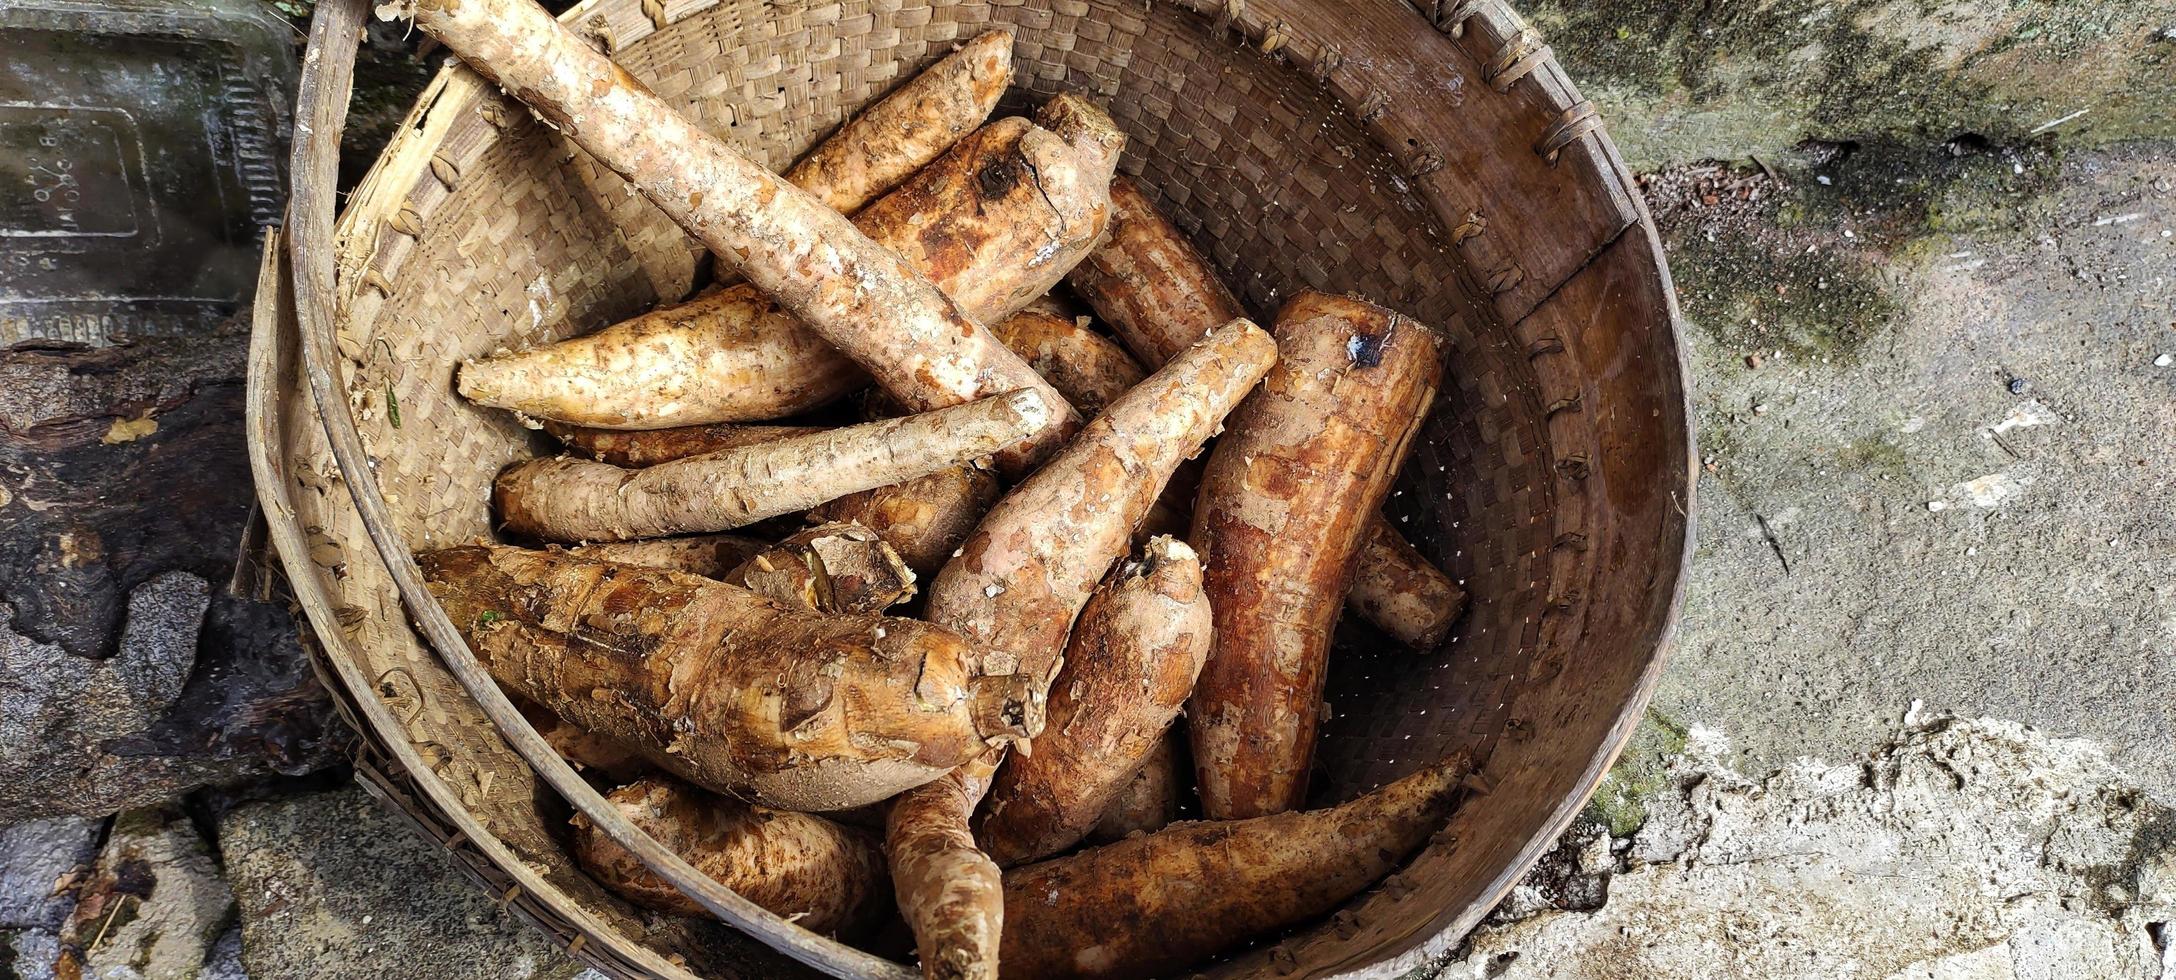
(1269, 25)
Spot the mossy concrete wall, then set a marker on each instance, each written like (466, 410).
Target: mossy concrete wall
(1687, 80)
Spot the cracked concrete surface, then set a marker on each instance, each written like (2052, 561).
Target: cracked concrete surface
(1959, 849)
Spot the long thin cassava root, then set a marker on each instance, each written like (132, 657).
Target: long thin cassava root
(888, 141)
(574, 500)
(853, 292)
(1157, 904)
(923, 519)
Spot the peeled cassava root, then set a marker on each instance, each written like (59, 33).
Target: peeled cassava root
(892, 139)
(855, 293)
(837, 567)
(1129, 666)
(822, 876)
(1019, 581)
(1284, 505)
(575, 500)
(1156, 904)
(1159, 293)
(726, 689)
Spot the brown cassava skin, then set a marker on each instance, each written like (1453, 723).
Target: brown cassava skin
(1025, 572)
(855, 293)
(1087, 368)
(834, 568)
(1156, 904)
(649, 447)
(907, 129)
(1019, 581)
(1129, 667)
(724, 688)
(729, 356)
(1149, 284)
(1285, 502)
(1150, 800)
(707, 555)
(826, 878)
(1004, 214)
(950, 893)
(1158, 293)
(576, 500)
(1395, 587)
(925, 520)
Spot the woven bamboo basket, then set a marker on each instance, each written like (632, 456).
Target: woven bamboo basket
(1434, 159)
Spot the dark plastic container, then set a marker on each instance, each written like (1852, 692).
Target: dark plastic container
(142, 151)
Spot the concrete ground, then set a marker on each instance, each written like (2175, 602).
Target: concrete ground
(1937, 402)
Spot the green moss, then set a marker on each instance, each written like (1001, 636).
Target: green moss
(1750, 298)
(1876, 454)
(1682, 81)
(1621, 802)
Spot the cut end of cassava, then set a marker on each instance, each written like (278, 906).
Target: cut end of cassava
(1007, 708)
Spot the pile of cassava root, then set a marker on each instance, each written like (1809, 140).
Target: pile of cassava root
(1013, 581)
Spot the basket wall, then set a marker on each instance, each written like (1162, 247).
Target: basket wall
(1442, 168)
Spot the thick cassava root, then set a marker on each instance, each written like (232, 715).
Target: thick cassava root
(726, 689)
(855, 293)
(824, 877)
(1089, 370)
(1156, 904)
(1149, 284)
(838, 567)
(1129, 666)
(1003, 215)
(575, 500)
(1285, 501)
(1158, 293)
(923, 519)
(892, 139)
